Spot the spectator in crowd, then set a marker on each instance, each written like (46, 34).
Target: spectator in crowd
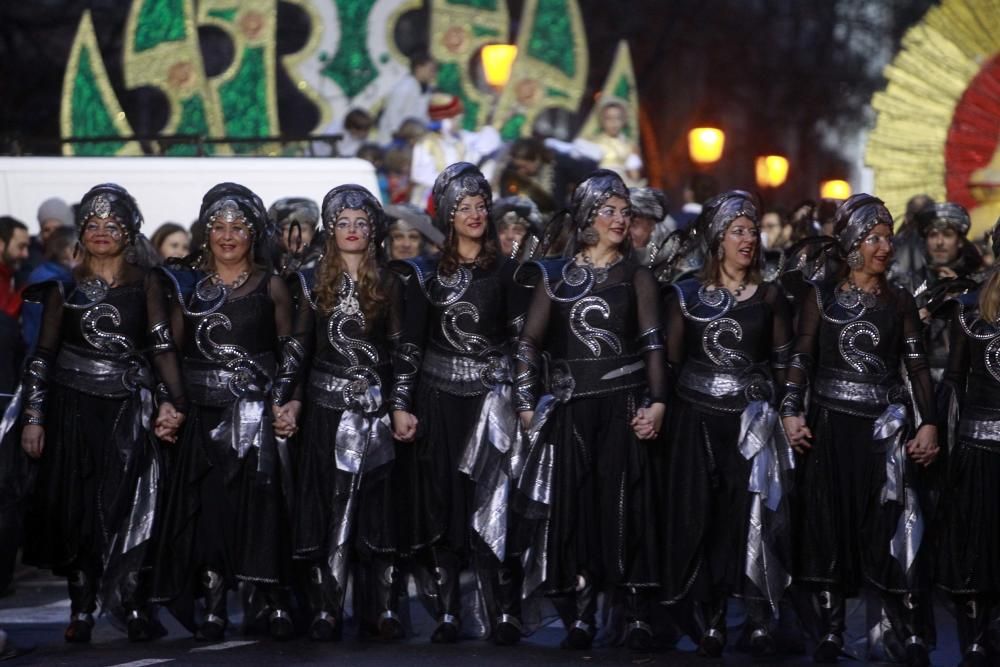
(409, 133)
(358, 125)
(13, 252)
(60, 258)
(410, 232)
(542, 174)
(171, 240)
(612, 146)
(650, 222)
(409, 98)
(515, 217)
(397, 173)
(297, 219)
(699, 189)
(446, 143)
(775, 231)
(909, 248)
(375, 154)
(52, 214)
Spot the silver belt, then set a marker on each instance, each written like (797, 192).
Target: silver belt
(338, 392)
(461, 375)
(980, 429)
(100, 375)
(854, 392)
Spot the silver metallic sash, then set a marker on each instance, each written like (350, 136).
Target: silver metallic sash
(728, 389)
(761, 443)
(839, 389)
(889, 430)
(457, 374)
(981, 429)
(487, 461)
(109, 377)
(248, 424)
(534, 479)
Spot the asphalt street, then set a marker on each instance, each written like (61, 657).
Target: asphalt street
(35, 613)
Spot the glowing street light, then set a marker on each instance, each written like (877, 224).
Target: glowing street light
(705, 145)
(772, 170)
(835, 189)
(498, 59)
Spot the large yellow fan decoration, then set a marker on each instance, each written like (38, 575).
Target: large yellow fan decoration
(938, 125)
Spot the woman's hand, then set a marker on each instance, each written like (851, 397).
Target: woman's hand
(798, 433)
(648, 421)
(168, 422)
(286, 418)
(924, 447)
(404, 425)
(33, 440)
(526, 418)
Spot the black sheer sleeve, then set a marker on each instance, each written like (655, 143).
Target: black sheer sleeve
(393, 287)
(518, 299)
(781, 336)
(166, 363)
(650, 334)
(800, 364)
(305, 322)
(528, 358)
(35, 379)
(674, 328)
(408, 351)
(959, 357)
(915, 360)
(291, 345)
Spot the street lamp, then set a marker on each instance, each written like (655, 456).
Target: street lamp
(498, 60)
(705, 145)
(835, 189)
(772, 170)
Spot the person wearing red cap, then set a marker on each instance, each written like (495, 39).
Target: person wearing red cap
(446, 143)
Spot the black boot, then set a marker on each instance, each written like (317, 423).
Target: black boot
(83, 601)
(324, 604)
(142, 624)
(759, 620)
(907, 618)
(446, 576)
(713, 638)
(507, 581)
(216, 620)
(580, 636)
(388, 581)
(973, 616)
(638, 632)
(279, 621)
(832, 616)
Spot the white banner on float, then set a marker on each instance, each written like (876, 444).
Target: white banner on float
(169, 189)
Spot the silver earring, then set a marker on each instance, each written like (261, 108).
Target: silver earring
(855, 260)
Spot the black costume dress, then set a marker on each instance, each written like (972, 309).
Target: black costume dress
(452, 370)
(587, 495)
(726, 528)
(96, 491)
(968, 564)
(858, 510)
(344, 495)
(225, 518)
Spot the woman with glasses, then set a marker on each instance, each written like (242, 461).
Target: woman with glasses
(452, 395)
(344, 513)
(860, 441)
(224, 520)
(87, 400)
(728, 338)
(586, 498)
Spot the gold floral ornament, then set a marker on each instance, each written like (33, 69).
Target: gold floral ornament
(936, 131)
(89, 106)
(459, 29)
(552, 54)
(161, 50)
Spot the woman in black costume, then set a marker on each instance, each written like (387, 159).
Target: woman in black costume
(587, 488)
(344, 511)
(968, 564)
(858, 511)
(224, 518)
(452, 378)
(728, 339)
(87, 404)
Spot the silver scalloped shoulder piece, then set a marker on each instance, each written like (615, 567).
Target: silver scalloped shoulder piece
(217, 352)
(707, 305)
(459, 338)
(573, 282)
(94, 289)
(829, 302)
(99, 339)
(587, 333)
(720, 354)
(856, 358)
